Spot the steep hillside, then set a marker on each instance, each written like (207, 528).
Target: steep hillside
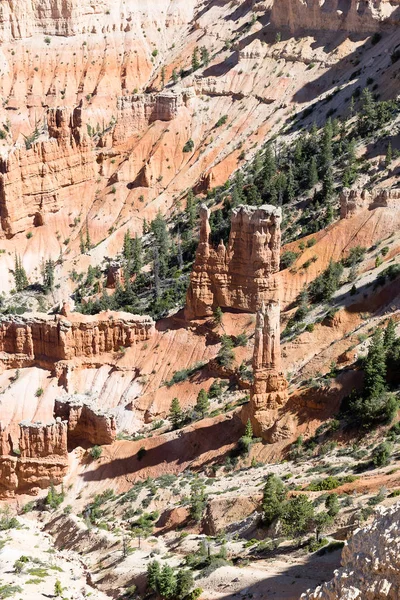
(200, 283)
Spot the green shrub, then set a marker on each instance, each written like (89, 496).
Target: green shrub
(96, 452)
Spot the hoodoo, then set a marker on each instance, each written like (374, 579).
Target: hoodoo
(240, 275)
(269, 391)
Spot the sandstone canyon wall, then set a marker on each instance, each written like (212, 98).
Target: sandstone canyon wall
(36, 460)
(86, 422)
(363, 17)
(39, 178)
(241, 275)
(46, 339)
(355, 200)
(269, 391)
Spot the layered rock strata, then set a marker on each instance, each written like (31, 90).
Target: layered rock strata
(38, 459)
(269, 392)
(354, 200)
(136, 112)
(38, 178)
(46, 339)
(85, 420)
(240, 275)
(365, 16)
(370, 563)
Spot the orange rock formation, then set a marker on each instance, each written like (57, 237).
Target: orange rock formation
(269, 391)
(86, 421)
(241, 275)
(38, 338)
(38, 459)
(38, 178)
(355, 200)
(352, 15)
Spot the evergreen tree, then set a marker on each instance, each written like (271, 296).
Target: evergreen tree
(190, 210)
(367, 116)
(273, 499)
(322, 521)
(127, 247)
(81, 243)
(249, 429)
(218, 315)
(175, 413)
(156, 273)
(20, 277)
(332, 504)
(153, 573)
(136, 253)
(175, 76)
(184, 583)
(195, 59)
(313, 173)
(389, 155)
(162, 77)
(202, 404)
(205, 57)
(375, 367)
(166, 582)
(297, 516)
(198, 500)
(48, 275)
(290, 185)
(389, 337)
(326, 147)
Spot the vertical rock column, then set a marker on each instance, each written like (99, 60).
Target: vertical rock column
(269, 392)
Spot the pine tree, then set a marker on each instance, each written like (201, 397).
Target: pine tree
(88, 243)
(127, 247)
(137, 251)
(48, 275)
(248, 432)
(332, 504)
(389, 155)
(175, 413)
(313, 173)
(162, 77)
(273, 499)
(175, 76)
(190, 210)
(290, 185)
(81, 243)
(197, 500)
(202, 404)
(156, 273)
(20, 277)
(153, 573)
(205, 57)
(218, 315)
(389, 337)
(375, 367)
(195, 59)
(326, 148)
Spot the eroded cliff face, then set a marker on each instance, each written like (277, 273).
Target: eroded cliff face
(269, 392)
(45, 339)
(38, 458)
(370, 563)
(57, 17)
(40, 178)
(241, 275)
(338, 15)
(355, 200)
(85, 420)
